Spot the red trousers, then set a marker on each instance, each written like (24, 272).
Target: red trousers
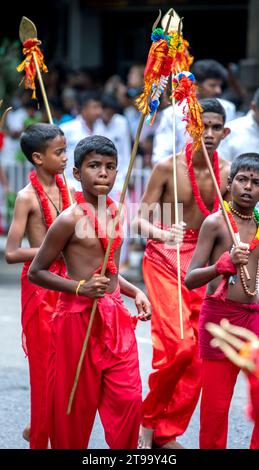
(218, 382)
(37, 341)
(109, 383)
(175, 384)
(38, 306)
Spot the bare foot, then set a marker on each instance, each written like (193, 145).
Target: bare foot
(172, 445)
(145, 438)
(26, 433)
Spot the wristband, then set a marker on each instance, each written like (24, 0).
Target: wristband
(79, 285)
(225, 265)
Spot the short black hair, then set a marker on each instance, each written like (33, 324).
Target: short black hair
(245, 161)
(213, 105)
(209, 68)
(86, 96)
(110, 101)
(96, 143)
(36, 136)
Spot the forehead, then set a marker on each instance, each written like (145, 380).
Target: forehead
(249, 173)
(100, 158)
(212, 81)
(212, 118)
(58, 141)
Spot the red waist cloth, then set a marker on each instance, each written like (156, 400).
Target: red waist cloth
(213, 310)
(113, 325)
(253, 408)
(166, 255)
(33, 295)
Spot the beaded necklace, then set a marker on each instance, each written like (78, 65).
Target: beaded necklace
(254, 243)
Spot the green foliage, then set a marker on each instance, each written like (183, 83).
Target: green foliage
(10, 57)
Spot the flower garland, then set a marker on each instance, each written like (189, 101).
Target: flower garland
(80, 199)
(43, 198)
(31, 48)
(195, 188)
(255, 242)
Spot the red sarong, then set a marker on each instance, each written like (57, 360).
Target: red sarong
(219, 374)
(175, 383)
(109, 380)
(38, 306)
(214, 310)
(218, 382)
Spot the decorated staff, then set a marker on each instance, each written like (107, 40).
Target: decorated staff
(155, 70)
(181, 60)
(33, 65)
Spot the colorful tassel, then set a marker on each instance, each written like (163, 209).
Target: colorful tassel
(185, 88)
(30, 47)
(157, 69)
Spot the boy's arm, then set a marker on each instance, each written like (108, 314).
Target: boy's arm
(4, 180)
(127, 288)
(54, 242)
(197, 274)
(14, 253)
(56, 239)
(142, 224)
(141, 301)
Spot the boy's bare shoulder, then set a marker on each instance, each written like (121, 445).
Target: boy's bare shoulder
(214, 222)
(224, 166)
(25, 195)
(69, 217)
(164, 165)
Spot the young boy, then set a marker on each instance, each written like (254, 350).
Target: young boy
(176, 379)
(36, 206)
(109, 379)
(232, 297)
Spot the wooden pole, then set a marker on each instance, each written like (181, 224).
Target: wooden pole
(106, 257)
(177, 222)
(217, 189)
(28, 30)
(117, 218)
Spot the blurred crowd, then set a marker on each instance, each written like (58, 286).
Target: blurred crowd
(82, 104)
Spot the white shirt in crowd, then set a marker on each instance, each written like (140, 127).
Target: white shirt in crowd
(244, 137)
(117, 130)
(74, 131)
(163, 140)
(14, 123)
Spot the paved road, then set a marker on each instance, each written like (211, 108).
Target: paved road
(14, 384)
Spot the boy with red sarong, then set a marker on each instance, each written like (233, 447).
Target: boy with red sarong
(109, 381)
(175, 383)
(36, 206)
(232, 297)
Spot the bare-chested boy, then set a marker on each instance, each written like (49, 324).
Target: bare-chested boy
(233, 297)
(109, 380)
(175, 383)
(36, 207)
